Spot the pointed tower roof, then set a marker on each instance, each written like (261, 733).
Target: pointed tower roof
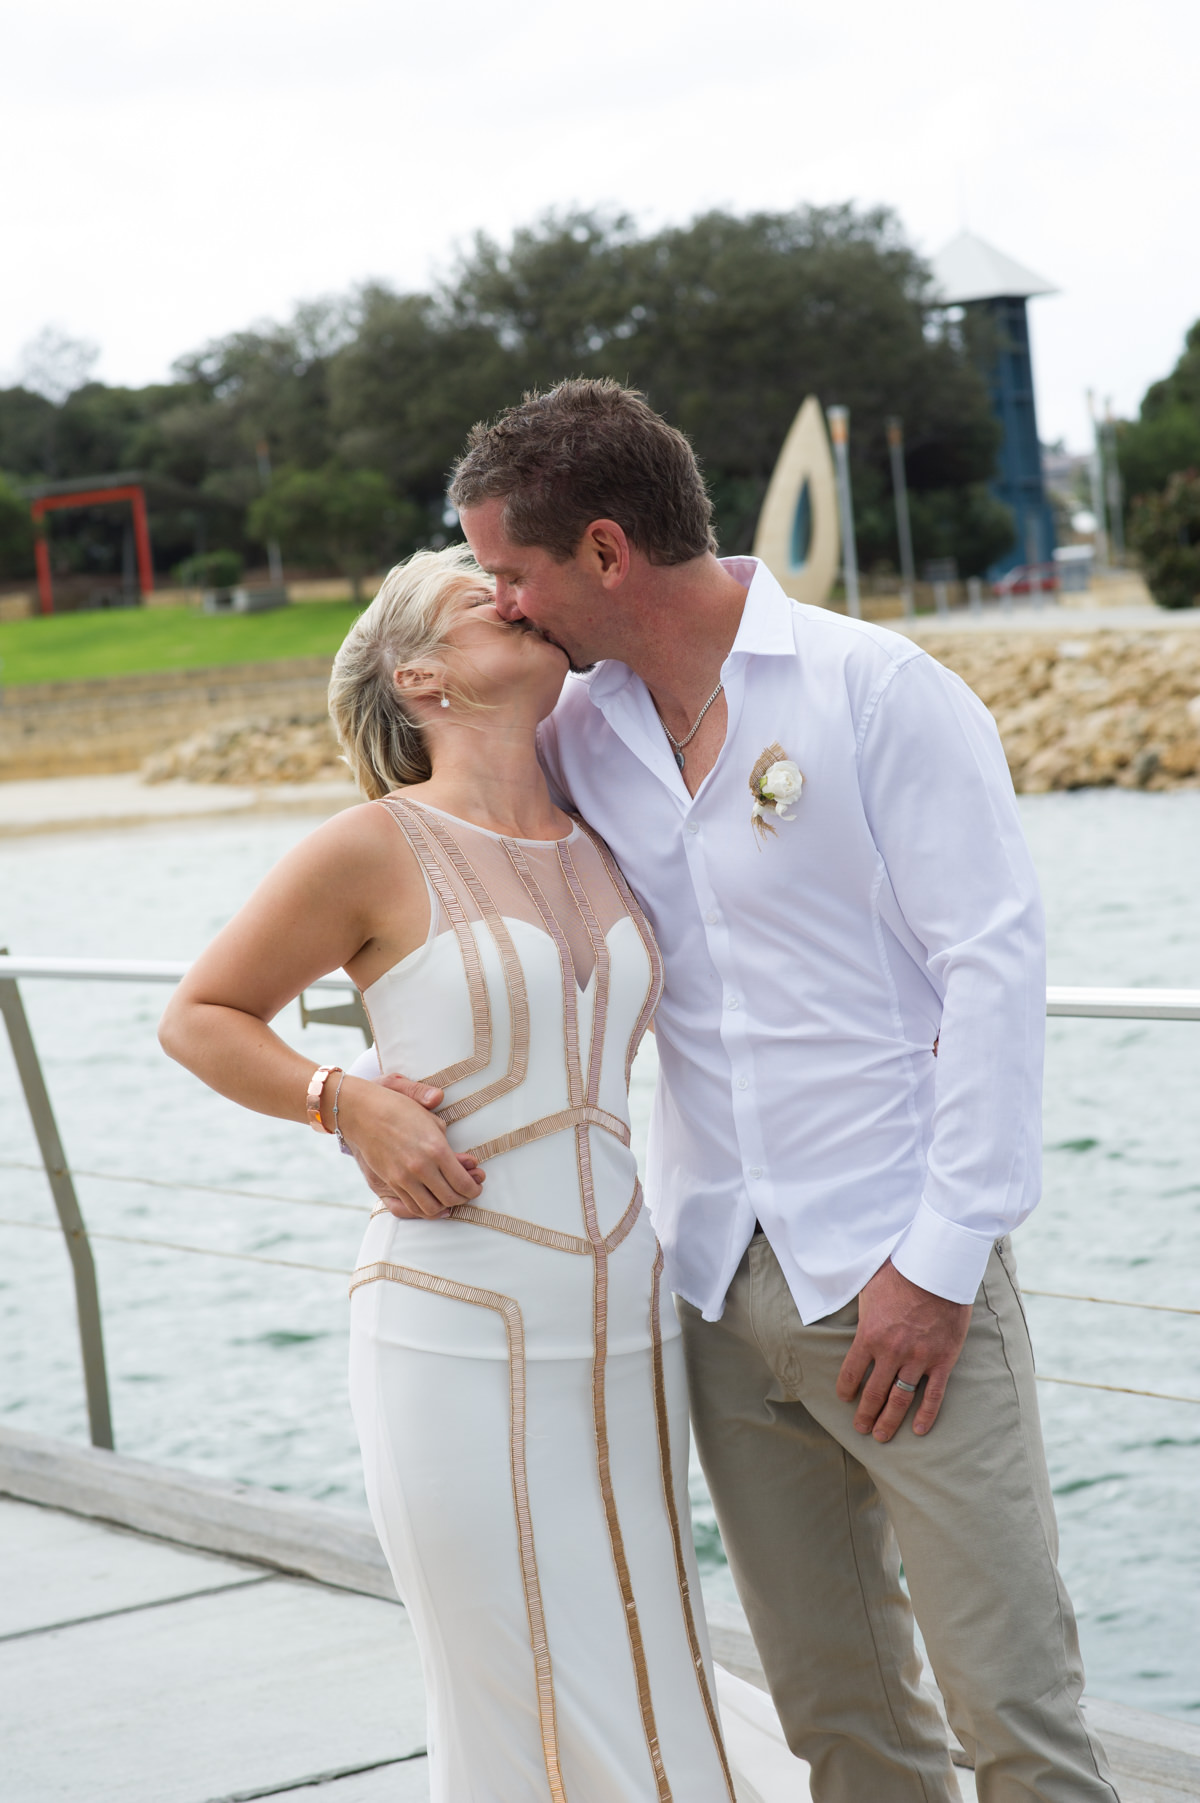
(968, 269)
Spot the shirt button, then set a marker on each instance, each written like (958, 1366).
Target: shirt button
(755, 1170)
(732, 1002)
(711, 918)
(742, 1083)
(692, 827)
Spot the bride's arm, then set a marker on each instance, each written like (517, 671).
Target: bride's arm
(349, 895)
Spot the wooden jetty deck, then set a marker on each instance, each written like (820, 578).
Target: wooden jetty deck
(166, 1638)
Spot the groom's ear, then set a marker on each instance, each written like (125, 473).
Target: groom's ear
(604, 552)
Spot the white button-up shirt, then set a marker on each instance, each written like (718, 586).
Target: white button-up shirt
(810, 976)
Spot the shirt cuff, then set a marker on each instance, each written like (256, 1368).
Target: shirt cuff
(943, 1257)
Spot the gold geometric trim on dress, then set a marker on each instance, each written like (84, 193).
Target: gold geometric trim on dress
(547, 1236)
(437, 837)
(519, 1229)
(624, 1226)
(616, 1538)
(514, 1328)
(514, 979)
(550, 1123)
(566, 963)
(412, 826)
(662, 1418)
(600, 964)
(655, 987)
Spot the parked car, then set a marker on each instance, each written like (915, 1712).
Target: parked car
(1028, 579)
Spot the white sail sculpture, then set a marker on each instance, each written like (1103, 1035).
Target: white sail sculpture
(798, 536)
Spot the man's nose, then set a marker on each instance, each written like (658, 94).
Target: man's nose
(506, 603)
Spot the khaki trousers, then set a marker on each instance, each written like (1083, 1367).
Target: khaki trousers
(816, 1519)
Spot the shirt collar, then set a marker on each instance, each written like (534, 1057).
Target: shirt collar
(765, 628)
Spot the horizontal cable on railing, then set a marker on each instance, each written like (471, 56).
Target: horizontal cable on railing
(172, 1183)
(1159, 1308)
(292, 1264)
(255, 1195)
(1079, 1383)
(133, 1239)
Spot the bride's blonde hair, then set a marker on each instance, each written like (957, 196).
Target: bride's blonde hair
(380, 737)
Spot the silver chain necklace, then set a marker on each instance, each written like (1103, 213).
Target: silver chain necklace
(680, 745)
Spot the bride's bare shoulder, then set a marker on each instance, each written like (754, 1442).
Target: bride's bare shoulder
(358, 843)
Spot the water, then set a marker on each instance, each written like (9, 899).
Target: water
(239, 1369)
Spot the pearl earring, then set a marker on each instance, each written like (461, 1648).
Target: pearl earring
(444, 703)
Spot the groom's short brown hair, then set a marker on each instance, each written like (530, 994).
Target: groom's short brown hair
(584, 451)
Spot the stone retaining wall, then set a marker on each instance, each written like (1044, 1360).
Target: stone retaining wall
(77, 728)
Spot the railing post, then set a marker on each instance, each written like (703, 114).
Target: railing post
(87, 1296)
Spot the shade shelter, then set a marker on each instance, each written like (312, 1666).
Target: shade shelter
(91, 491)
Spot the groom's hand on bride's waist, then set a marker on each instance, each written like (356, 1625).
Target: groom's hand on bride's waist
(400, 1146)
(905, 1335)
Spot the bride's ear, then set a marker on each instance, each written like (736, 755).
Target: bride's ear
(416, 684)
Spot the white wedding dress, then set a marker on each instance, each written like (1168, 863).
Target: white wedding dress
(516, 1372)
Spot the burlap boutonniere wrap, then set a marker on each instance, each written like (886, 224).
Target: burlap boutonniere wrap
(775, 784)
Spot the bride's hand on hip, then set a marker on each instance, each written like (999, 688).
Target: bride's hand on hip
(401, 1148)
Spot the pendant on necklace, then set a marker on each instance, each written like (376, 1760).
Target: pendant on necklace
(679, 759)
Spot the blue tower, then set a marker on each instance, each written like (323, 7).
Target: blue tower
(969, 273)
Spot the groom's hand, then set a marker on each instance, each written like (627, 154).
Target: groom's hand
(904, 1332)
(424, 1180)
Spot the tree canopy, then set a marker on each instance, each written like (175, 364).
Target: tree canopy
(1165, 438)
(726, 323)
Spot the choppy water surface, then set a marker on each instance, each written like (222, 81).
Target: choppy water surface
(238, 1369)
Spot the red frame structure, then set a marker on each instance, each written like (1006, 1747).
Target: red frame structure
(90, 498)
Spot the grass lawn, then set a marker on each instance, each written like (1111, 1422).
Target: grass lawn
(121, 641)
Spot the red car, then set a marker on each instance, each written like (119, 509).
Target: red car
(1028, 579)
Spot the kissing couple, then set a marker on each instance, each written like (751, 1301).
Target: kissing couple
(617, 784)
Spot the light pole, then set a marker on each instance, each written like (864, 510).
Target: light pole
(1112, 489)
(1096, 472)
(895, 438)
(274, 559)
(839, 428)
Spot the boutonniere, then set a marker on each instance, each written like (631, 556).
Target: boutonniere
(775, 783)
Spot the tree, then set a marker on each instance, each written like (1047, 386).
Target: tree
(1165, 531)
(16, 533)
(348, 518)
(726, 323)
(1166, 436)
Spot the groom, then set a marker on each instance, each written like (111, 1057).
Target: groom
(819, 822)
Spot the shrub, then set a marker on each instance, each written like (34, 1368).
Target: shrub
(212, 569)
(1165, 530)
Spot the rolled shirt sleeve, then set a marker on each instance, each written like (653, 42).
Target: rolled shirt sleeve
(940, 805)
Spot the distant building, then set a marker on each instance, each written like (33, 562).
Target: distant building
(971, 274)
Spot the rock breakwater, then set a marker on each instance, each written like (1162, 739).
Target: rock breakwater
(296, 749)
(1096, 710)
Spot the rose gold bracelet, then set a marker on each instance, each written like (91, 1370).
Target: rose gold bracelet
(316, 1089)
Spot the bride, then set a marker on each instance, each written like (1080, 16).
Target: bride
(516, 1376)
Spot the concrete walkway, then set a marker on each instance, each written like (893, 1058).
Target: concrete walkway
(167, 1638)
(63, 803)
(133, 1671)
(1055, 617)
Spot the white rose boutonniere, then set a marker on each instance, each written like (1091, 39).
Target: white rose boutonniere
(775, 784)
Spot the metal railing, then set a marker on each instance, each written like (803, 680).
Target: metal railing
(1073, 1003)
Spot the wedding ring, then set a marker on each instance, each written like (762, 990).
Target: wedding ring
(901, 1385)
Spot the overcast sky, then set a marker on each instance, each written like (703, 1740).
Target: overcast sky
(176, 171)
